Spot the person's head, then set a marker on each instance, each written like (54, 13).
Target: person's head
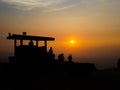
(31, 43)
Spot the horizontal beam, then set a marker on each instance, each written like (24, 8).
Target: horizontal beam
(28, 37)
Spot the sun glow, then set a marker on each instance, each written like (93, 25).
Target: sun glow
(72, 41)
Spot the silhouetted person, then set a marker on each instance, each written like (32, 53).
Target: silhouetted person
(61, 57)
(31, 43)
(70, 58)
(118, 64)
(51, 50)
(51, 55)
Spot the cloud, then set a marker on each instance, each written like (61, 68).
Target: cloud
(59, 9)
(57, 5)
(47, 5)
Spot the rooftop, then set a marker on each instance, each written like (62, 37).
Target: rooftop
(29, 37)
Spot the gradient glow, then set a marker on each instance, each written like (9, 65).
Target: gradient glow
(72, 41)
(93, 24)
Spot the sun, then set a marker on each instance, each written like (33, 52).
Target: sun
(72, 41)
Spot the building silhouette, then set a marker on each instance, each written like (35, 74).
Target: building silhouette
(29, 54)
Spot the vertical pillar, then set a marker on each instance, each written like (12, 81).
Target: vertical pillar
(15, 44)
(21, 42)
(37, 43)
(46, 45)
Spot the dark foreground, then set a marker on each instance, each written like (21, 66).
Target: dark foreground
(36, 79)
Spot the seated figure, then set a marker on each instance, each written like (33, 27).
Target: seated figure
(31, 43)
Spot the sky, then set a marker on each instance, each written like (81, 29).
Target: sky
(94, 25)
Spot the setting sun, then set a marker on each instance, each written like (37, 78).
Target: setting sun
(72, 41)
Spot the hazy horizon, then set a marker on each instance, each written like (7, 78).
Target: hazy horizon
(100, 63)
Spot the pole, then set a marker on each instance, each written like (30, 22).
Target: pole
(15, 44)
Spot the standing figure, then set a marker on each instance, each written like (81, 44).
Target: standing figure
(51, 55)
(51, 50)
(70, 58)
(61, 57)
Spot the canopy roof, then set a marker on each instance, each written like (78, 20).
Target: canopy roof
(29, 37)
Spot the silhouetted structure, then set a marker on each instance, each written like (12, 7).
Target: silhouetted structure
(34, 57)
(29, 54)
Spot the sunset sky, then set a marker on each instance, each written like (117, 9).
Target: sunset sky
(94, 25)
